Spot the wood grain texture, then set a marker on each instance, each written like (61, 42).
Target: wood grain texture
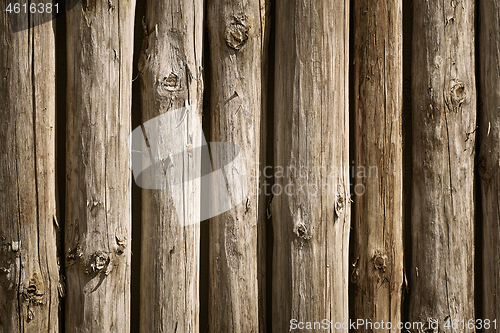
(235, 38)
(378, 171)
(98, 184)
(489, 152)
(171, 78)
(29, 268)
(444, 124)
(311, 215)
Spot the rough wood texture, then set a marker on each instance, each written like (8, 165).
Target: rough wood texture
(378, 243)
(489, 158)
(171, 78)
(98, 198)
(29, 272)
(444, 123)
(235, 37)
(311, 216)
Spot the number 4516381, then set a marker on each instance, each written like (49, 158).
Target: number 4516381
(34, 8)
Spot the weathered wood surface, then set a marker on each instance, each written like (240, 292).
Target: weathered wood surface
(378, 241)
(311, 216)
(171, 78)
(98, 190)
(444, 123)
(235, 38)
(489, 152)
(29, 272)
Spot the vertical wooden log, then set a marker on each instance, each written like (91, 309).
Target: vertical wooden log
(378, 191)
(235, 36)
(489, 159)
(311, 205)
(444, 123)
(171, 78)
(98, 198)
(29, 272)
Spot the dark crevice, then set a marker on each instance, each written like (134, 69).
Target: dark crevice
(407, 153)
(136, 190)
(60, 130)
(352, 127)
(204, 226)
(478, 230)
(268, 231)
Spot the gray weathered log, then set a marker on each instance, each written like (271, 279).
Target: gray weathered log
(235, 37)
(489, 152)
(444, 124)
(171, 78)
(29, 270)
(98, 197)
(378, 248)
(311, 215)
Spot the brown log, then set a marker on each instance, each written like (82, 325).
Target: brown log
(171, 78)
(29, 268)
(235, 37)
(489, 154)
(98, 188)
(444, 124)
(311, 216)
(378, 248)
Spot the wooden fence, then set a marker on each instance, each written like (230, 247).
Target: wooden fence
(364, 166)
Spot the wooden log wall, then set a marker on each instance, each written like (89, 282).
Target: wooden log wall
(304, 101)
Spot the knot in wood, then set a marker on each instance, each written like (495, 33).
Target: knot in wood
(237, 32)
(380, 261)
(35, 291)
(302, 232)
(99, 261)
(458, 95)
(172, 82)
(339, 204)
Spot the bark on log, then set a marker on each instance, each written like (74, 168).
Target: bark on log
(98, 198)
(444, 124)
(171, 78)
(235, 37)
(311, 216)
(378, 191)
(489, 152)
(29, 269)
